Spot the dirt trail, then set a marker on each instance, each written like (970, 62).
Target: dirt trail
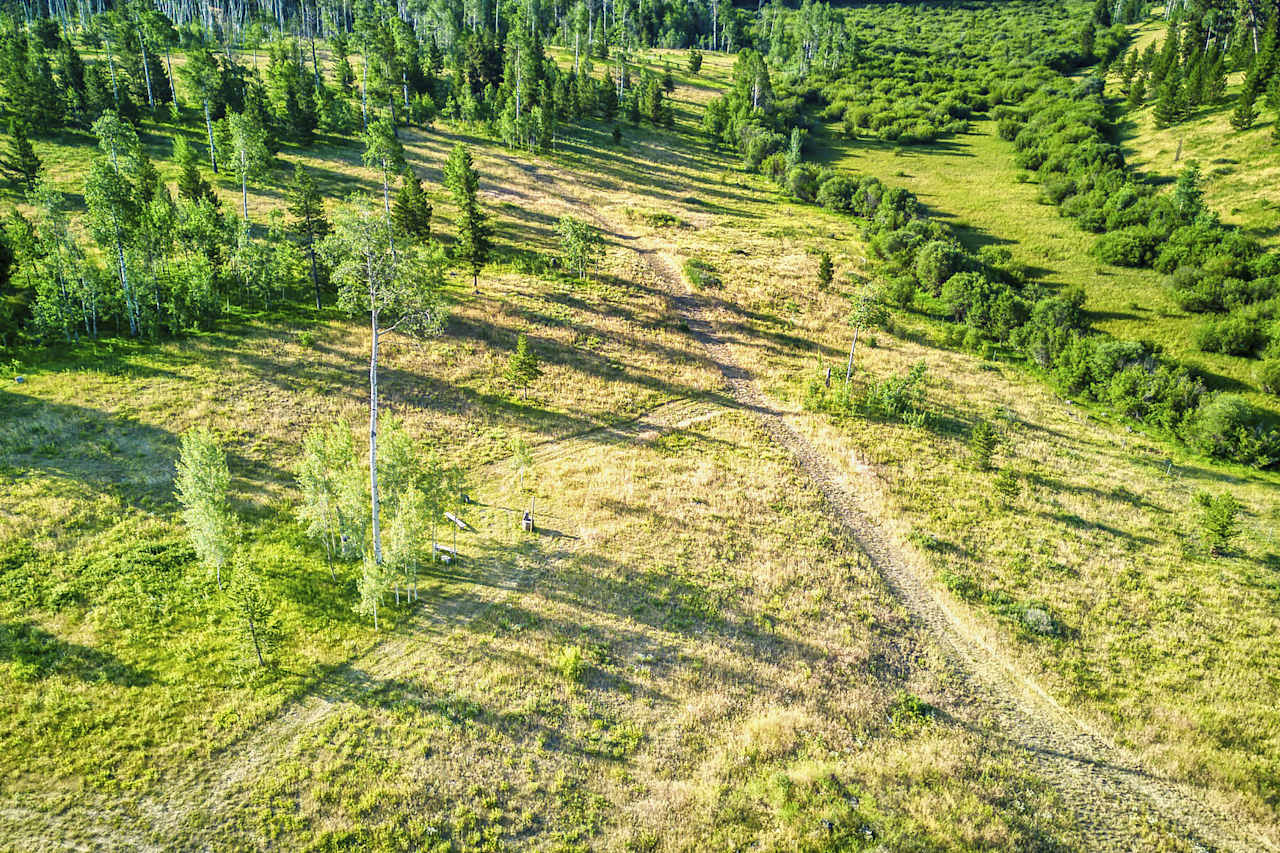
(1116, 801)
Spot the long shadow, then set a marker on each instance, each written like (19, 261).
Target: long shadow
(39, 654)
(1075, 521)
(83, 444)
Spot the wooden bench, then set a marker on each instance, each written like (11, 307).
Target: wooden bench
(445, 554)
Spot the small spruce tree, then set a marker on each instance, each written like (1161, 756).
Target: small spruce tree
(254, 608)
(412, 210)
(1218, 520)
(826, 270)
(20, 163)
(1007, 486)
(522, 367)
(982, 444)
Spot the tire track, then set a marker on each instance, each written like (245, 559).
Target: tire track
(1115, 800)
(1108, 790)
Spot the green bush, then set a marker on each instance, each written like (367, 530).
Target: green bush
(1227, 426)
(898, 398)
(1268, 374)
(571, 663)
(1129, 247)
(900, 290)
(1218, 520)
(937, 261)
(1235, 334)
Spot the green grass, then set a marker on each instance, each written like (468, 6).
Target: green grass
(970, 181)
(1241, 169)
(1153, 639)
(700, 660)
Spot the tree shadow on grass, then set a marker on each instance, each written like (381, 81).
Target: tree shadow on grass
(37, 654)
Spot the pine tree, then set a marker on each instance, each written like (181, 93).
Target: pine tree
(412, 210)
(522, 367)
(1246, 111)
(474, 244)
(254, 608)
(1088, 39)
(191, 183)
(982, 444)
(1188, 197)
(20, 163)
(826, 270)
(306, 206)
(1218, 520)
(1168, 109)
(1137, 92)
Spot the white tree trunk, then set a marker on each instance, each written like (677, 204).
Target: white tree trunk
(373, 434)
(848, 371)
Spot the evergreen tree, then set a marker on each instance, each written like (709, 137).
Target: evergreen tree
(826, 270)
(1246, 112)
(474, 244)
(412, 211)
(1088, 39)
(1137, 92)
(1218, 520)
(695, 60)
(254, 607)
(1169, 108)
(192, 185)
(1188, 197)
(306, 206)
(522, 367)
(20, 163)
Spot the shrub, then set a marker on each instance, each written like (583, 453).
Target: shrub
(1269, 375)
(1056, 191)
(898, 397)
(571, 663)
(1226, 426)
(1218, 520)
(1129, 247)
(901, 291)
(802, 181)
(1235, 334)
(700, 274)
(836, 193)
(937, 261)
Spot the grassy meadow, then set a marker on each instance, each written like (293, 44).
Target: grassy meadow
(688, 655)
